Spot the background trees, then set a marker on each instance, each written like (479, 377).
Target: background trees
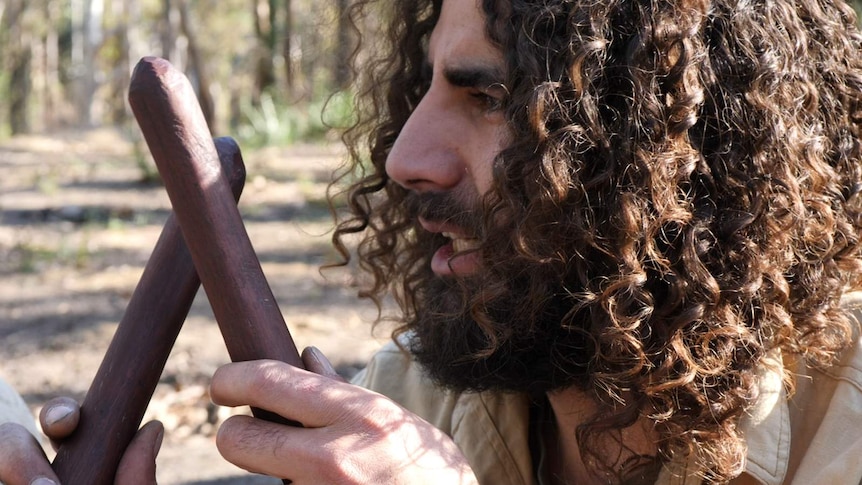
(261, 67)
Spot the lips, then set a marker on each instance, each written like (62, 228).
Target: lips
(458, 257)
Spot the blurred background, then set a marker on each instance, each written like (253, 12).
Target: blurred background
(81, 205)
(262, 68)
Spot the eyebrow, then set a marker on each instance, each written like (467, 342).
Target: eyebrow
(471, 77)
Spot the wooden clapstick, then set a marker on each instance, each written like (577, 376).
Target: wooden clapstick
(173, 125)
(117, 399)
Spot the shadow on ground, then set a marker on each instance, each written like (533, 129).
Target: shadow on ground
(240, 480)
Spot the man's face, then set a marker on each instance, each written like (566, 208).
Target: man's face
(468, 329)
(447, 147)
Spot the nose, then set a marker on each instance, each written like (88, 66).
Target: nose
(426, 156)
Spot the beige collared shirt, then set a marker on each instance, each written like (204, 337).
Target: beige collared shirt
(814, 438)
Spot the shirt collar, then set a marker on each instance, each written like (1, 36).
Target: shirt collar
(766, 425)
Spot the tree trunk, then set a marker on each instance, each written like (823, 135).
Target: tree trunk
(52, 95)
(19, 90)
(171, 30)
(198, 66)
(286, 49)
(86, 36)
(264, 16)
(18, 63)
(311, 51)
(117, 58)
(166, 32)
(341, 76)
(138, 46)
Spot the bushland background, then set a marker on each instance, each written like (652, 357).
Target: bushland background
(81, 204)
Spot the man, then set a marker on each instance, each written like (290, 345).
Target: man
(622, 235)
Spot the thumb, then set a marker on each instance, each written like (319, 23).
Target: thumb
(59, 418)
(138, 465)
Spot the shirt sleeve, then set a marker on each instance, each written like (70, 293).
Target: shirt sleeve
(13, 409)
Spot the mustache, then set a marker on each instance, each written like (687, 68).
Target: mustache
(446, 207)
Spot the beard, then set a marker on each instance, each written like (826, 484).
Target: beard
(522, 337)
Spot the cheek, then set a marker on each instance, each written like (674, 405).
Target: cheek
(482, 176)
(480, 166)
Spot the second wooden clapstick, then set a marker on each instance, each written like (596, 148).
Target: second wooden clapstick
(118, 397)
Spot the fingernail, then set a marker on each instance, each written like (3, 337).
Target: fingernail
(315, 352)
(57, 414)
(319, 357)
(158, 443)
(43, 481)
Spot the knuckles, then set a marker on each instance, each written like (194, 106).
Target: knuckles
(378, 415)
(240, 383)
(264, 377)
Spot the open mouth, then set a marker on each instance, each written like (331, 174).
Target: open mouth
(461, 244)
(460, 255)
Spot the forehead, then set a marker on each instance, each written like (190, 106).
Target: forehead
(460, 37)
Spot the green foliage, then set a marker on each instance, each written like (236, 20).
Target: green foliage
(338, 111)
(277, 123)
(270, 123)
(4, 107)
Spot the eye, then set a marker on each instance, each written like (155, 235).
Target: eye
(491, 98)
(486, 101)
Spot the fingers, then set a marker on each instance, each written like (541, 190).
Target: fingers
(302, 455)
(295, 394)
(385, 444)
(248, 443)
(138, 465)
(316, 362)
(315, 397)
(22, 461)
(59, 417)
(351, 435)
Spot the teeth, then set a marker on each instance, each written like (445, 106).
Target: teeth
(460, 245)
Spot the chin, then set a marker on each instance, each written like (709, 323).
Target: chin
(512, 346)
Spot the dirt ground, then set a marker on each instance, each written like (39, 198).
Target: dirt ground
(77, 226)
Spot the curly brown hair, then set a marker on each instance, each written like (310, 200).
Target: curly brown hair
(687, 172)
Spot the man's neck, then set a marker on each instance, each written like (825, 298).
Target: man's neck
(571, 408)
(566, 465)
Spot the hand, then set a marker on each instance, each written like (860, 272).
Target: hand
(23, 462)
(351, 435)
